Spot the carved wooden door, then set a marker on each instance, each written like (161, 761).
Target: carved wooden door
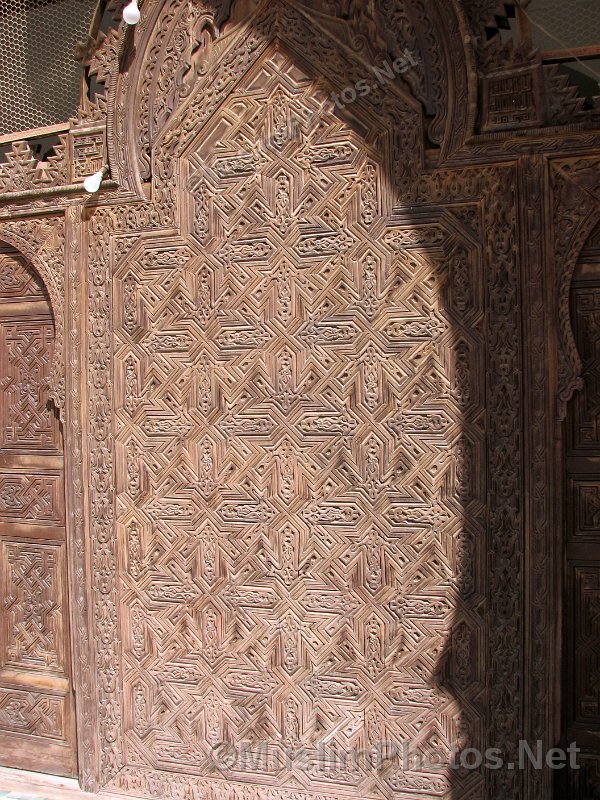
(582, 632)
(36, 705)
(298, 413)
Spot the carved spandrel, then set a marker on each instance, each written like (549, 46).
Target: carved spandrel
(18, 280)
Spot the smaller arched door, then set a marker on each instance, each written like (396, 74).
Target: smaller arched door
(582, 553)
(36, 694)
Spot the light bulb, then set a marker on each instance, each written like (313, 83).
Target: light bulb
(131, 13)
(92, 183)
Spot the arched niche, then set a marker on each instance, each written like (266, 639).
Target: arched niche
(176, 44)
(41, 244)
(440, 228)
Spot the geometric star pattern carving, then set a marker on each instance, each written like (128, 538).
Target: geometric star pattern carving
(299, 443)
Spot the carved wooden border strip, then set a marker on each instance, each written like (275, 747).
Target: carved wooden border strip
(78, 525)
(505, 531)
(538, 426)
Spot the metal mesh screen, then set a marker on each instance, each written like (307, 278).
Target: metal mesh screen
(568, 23)
(39, 76)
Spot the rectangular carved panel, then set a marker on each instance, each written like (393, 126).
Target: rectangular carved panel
(585, 414)
(32, 594)
(585, 508)
(31, 498)
(88, 152)
(32, 713)
(26, 419)
(586, 622)
(512, 99)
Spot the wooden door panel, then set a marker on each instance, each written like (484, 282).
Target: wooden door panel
(39, 498)
(32, 588)
(36, 705)
(25, 358)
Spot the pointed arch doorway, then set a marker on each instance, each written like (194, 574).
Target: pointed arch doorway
(37, 722)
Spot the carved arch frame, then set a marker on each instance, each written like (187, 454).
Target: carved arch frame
(130, 103)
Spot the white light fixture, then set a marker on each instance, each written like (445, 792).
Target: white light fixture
(92, 183)
(131, 13)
